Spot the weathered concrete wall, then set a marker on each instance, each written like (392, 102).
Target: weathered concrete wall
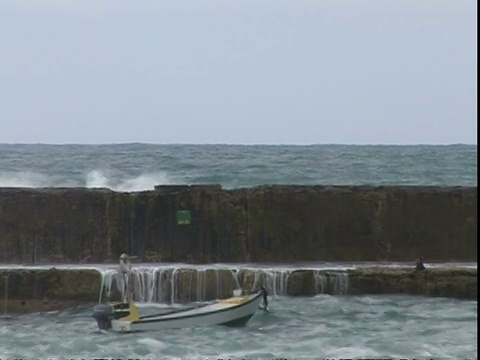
(458, 283)
(23, 291)
(362, 223)
(278, 223)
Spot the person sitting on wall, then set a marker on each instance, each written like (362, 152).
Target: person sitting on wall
(419, 264)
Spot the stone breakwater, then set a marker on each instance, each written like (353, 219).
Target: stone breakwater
(26, 290)
(205, 224)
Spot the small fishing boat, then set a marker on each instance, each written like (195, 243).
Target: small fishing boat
(234, 311)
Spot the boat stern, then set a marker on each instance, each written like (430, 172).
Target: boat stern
(103, 314)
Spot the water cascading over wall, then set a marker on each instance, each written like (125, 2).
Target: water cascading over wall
(26, 289)
(328, 282)
(183, 285)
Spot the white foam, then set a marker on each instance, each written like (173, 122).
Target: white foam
(97, 178)
(143, 182)
(153, 345)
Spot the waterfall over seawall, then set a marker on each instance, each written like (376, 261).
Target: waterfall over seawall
(186, 284)
(329, 282)
(25, 289)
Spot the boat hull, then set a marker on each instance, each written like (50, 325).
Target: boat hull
(227, 312)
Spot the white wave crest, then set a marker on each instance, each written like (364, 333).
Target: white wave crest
(97, 178)
(93, 179)
(143, 182)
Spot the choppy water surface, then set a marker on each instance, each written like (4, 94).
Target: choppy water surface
(136, 167)
(310, 327)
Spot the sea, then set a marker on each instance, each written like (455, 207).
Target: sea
(316, 327)
(137, 167)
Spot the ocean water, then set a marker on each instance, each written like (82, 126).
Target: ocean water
(334, 327)
(136, 167)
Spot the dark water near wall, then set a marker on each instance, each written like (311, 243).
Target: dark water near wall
(302, 328)
(134, 167)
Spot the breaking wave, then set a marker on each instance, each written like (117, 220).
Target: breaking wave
(96, 179)
(92, 179)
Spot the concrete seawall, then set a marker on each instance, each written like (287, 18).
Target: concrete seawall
(205, 224)
(27, 290)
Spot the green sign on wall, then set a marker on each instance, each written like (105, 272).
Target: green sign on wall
(183, 217)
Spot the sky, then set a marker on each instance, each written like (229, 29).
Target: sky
(238, 72)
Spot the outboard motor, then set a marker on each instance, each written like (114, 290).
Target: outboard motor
(103, 314)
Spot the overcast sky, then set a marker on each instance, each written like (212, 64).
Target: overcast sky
(238, 72)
